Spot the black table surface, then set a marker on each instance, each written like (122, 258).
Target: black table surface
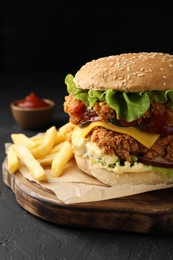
(24, 236)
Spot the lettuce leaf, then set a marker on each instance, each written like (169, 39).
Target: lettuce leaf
(128, 106)
(167, 172)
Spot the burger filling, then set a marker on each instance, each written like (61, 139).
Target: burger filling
(151, 112)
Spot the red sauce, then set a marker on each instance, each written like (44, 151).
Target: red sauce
(82, 113)
(155, 123)
(32, 101)
(78, 110)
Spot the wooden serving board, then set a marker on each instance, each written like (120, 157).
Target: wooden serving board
(149, 213)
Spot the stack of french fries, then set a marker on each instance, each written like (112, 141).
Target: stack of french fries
(50, 149)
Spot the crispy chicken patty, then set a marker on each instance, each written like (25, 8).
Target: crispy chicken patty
(106, 113)
(124, 146)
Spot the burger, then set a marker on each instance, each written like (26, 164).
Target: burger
(121, 107)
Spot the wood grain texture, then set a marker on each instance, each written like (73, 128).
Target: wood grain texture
(149, 213)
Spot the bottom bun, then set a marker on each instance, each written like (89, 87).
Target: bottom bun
(149, 180)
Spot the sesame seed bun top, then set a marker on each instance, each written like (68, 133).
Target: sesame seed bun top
(130, 72)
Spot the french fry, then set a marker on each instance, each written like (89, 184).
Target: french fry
(47, 159)
(60, 138)
(56, 148)
(38, 139)
(66, 129)
(47, 144)
(23, 139)
(12, 160)
(30, 162)
(52, 149)
(61, 159)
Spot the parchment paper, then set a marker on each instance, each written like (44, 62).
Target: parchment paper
(74, 186)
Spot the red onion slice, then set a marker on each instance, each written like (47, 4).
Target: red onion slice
(163, 164)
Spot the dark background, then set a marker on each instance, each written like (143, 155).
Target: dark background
(41, 42)
(60, 36)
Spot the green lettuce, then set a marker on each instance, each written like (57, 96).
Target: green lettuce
(167, 172)
(128, 106)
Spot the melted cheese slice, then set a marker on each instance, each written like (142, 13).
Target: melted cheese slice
(145, 138)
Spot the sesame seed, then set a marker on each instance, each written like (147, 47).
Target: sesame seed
(124, 83)
(140, 74)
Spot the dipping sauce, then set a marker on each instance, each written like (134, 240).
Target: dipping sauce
(32, 101)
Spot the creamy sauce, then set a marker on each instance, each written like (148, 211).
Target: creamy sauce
(90, 150)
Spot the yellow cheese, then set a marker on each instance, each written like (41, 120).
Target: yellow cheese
(145, 138)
